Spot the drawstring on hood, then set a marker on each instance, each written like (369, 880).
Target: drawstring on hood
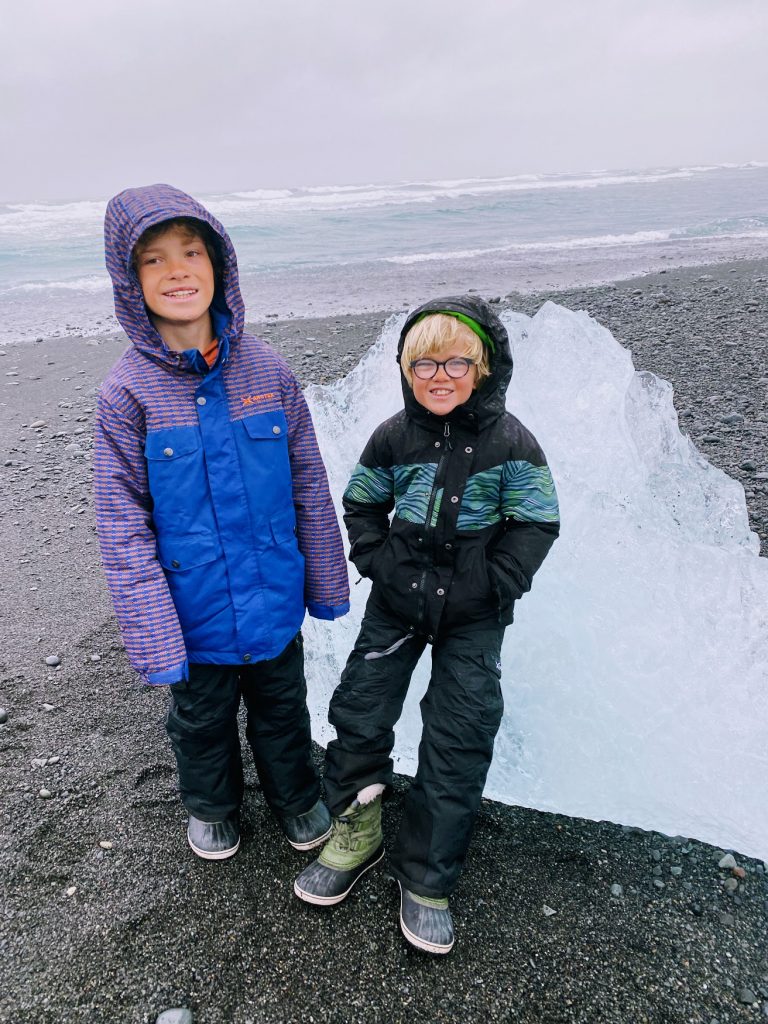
(487, 402)
(128, 216)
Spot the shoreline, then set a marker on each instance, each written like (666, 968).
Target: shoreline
(149, 926)
(366, 288)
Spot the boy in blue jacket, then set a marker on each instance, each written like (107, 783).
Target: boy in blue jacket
(475, 513)
(216, 526)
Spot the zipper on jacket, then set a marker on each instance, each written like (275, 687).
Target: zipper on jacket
(440, 464)
(430, 509)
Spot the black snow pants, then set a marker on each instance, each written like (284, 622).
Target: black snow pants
(202, 727)
(461, 713)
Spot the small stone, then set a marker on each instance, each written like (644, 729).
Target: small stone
(45, 794)
(675, 871)
(728, 861)
(54, 760)
(105, 844)
(617, 890)
(3, 716)
(71, 890)
(53, 660)
(656, 855)
(746, 995)
(95, 657)
(39, 423)
(548, 911)
(731, 884)
(748, 465)
(732, 419)
(659, 884)
(48, 707)
(726, 918)
(180, 1015)
(739, 872)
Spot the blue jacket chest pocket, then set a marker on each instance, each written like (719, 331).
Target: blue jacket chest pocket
(176, 475)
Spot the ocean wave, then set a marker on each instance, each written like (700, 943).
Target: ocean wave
(92, 283)
(262, 193)
(54, 221)
(590, 242)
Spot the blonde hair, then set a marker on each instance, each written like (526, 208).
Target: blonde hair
(437, 333)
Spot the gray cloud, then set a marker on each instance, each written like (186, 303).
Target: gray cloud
(235, 95)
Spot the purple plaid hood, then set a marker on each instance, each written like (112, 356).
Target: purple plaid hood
(128, 216)
(216, 526)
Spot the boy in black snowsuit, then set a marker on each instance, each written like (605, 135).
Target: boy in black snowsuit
(475, 513)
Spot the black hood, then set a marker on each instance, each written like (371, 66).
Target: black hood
(488, 402)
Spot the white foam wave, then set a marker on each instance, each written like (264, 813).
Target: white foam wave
(264, 193)
(62, 220)
(92, 283)
(591, 242)
(327, 197)
(84, 218)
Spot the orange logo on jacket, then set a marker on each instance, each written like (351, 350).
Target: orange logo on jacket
(253, 399)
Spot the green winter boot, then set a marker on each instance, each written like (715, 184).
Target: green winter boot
(355, 846)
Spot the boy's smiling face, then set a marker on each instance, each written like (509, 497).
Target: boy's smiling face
(176, 276)
(442, 393)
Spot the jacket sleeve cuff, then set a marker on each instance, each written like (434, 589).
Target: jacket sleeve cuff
(168, 676)
(327, 611)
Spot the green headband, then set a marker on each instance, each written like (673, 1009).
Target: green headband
(473, 325)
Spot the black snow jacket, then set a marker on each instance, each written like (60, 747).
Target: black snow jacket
(475, 507)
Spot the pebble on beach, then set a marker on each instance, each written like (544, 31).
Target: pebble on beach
(179, 1015)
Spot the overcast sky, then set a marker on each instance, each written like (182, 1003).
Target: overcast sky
(217, 95)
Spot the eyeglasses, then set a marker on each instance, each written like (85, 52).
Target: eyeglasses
(457, 366)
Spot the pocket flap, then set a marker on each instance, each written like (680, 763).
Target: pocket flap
(166, 445)
(177, 552)
(266, 426)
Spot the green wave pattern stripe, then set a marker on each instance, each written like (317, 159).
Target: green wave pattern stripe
(528, 493)
(413, 488)
(436, 507)
(481, 504)
(370, 486)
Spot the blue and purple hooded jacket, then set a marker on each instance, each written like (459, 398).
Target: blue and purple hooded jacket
(216, 524)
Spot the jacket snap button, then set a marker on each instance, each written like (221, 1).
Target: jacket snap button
(275, 430)
(167, 451)
(246, 657)
(440, 592)
(175, 564)
(414, 585)
(201, 400)
(437, 444)
(454, 499)
(448, 546)
(468, 451)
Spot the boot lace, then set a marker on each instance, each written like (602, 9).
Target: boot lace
(342, 834)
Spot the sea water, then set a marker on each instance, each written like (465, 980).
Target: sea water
(347, 248)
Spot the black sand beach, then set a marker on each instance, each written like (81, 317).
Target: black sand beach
(106, 914)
